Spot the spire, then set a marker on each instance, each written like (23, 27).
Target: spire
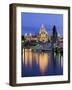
(42, 26)
(42, 29)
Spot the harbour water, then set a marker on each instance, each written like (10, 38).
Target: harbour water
(41, 63)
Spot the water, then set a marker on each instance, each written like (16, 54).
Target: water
(41, 63)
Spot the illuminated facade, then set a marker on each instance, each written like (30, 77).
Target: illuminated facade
(31, 38)
(42, 35)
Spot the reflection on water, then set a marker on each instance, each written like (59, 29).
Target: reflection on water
(41, 63)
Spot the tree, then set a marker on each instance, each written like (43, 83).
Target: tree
(54, 34)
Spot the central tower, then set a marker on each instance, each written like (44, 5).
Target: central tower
(43, 35)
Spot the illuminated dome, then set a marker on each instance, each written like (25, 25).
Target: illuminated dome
(43, 30)
(43, 35)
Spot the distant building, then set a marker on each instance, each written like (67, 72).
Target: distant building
(60, 38)
(42, 35)
(31, 37)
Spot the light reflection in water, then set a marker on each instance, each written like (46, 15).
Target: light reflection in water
(23, 55)
(36, 57)
(28, 57)
(59, 58)
(40, 58)
(43, 62)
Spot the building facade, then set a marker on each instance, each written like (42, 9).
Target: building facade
(42, 35)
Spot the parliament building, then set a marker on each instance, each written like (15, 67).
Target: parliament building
(42, 35)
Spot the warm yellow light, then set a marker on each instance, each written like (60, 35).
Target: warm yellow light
(41, 59)
(28, 57)
(43, 62)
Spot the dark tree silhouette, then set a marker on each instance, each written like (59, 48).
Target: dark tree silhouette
(54, 34)
(23, 38)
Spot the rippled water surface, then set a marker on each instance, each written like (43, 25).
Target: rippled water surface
(41, 63)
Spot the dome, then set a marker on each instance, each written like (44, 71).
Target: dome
(43, 35)
(25, 34)
(30, 34)
(59, 35)
(43, 30)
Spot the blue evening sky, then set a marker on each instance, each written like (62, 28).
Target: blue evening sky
(31, 22)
